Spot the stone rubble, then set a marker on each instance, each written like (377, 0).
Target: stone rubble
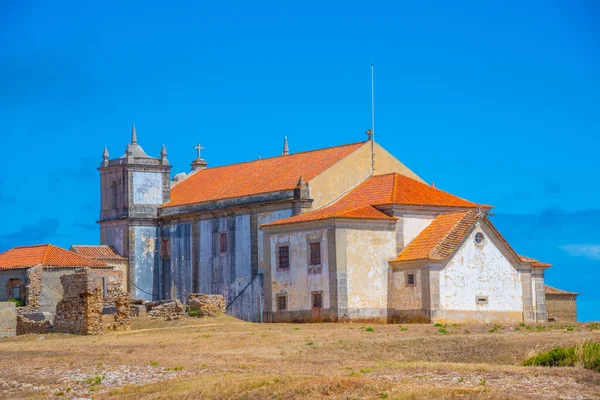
(207, 305)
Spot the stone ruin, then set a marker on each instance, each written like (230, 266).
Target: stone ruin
(80, 310)
(168, 309)
(206, 305)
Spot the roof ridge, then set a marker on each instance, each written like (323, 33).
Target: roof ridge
(44, 258)
(287, 156)
(31, 245)
(434, 253)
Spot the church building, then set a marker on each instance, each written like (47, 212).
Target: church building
(335, 234)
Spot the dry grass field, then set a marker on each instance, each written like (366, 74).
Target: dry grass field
(223, 358)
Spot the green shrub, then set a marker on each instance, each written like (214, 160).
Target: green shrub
(586, 355)
(193, 313)
(438, 325)
(370, 329)
(18, 303)
(443, 331)
(496, 328)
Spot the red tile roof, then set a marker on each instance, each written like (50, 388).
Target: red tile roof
(534, 263)
(440, 238)
(551, 290)
(46, 255)
(256, 177)
(97, 252)
(381, 190)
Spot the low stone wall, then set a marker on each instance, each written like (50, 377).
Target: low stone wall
(8, 319)
(207, 305)
(561, 308)
(169, 309)
(25, 326)
(80, 310)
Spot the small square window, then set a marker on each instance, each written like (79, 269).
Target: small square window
(223, 242)
(315, 253)
(317, 299)
(284, 257)
(281, 303)
(410, 279)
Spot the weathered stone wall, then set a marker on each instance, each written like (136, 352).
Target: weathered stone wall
(25, 326)
(561, 308)
(122, 303)
(208, 305)
(8, 319)
(80, 310)
(35, 276)
(113, 279)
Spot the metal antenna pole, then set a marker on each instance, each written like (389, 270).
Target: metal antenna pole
(373, 118)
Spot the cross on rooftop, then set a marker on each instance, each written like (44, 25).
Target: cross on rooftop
(199, 148)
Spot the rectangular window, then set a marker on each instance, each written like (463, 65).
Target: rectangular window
(165, 249)
(281, 303)
(104, 287)
(482, 300)
(284, 257)
(317, 299)
(315, 253)
(223, 243)
(410, 279)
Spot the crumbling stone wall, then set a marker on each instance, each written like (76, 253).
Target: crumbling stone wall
(80, 310)
(122, 316)
(114, 286)
(35, 276)
(25, 326)
(8, 319)
(207, 305)
(169, 309)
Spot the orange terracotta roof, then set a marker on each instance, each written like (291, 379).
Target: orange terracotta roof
(551, 290)
(534, 263)
(440, 238)
(381, 190)
(101, 252)
(46, 255)
(256, 177)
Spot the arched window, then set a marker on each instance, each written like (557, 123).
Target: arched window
(113, 195)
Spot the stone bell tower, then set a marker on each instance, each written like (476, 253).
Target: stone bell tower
(131, 189)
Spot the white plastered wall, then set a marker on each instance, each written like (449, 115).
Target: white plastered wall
(480, 271)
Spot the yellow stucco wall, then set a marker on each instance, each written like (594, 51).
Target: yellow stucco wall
(351, 171)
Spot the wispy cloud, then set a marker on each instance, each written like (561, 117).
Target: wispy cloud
(591, 251)
(39, 232)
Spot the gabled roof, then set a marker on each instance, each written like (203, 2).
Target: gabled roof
(101, 252)
(440, 238)
(551, 290)
(381, 190)
(45, 255)
(256, 177)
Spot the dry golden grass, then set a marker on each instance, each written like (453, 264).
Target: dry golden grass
(222, 358)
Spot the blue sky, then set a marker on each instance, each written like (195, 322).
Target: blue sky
(497, 103)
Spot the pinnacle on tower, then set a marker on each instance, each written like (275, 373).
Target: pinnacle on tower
(286, 148)
(105, 154)
(133, 135)
(163, 155)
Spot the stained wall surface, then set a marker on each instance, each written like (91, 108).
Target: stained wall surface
(367, 256)
(146, 283)
(178, 279)
(147, 188)
(480, 271)
(264, 218)
(299, 281)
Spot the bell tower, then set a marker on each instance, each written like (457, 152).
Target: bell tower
(131, 189)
